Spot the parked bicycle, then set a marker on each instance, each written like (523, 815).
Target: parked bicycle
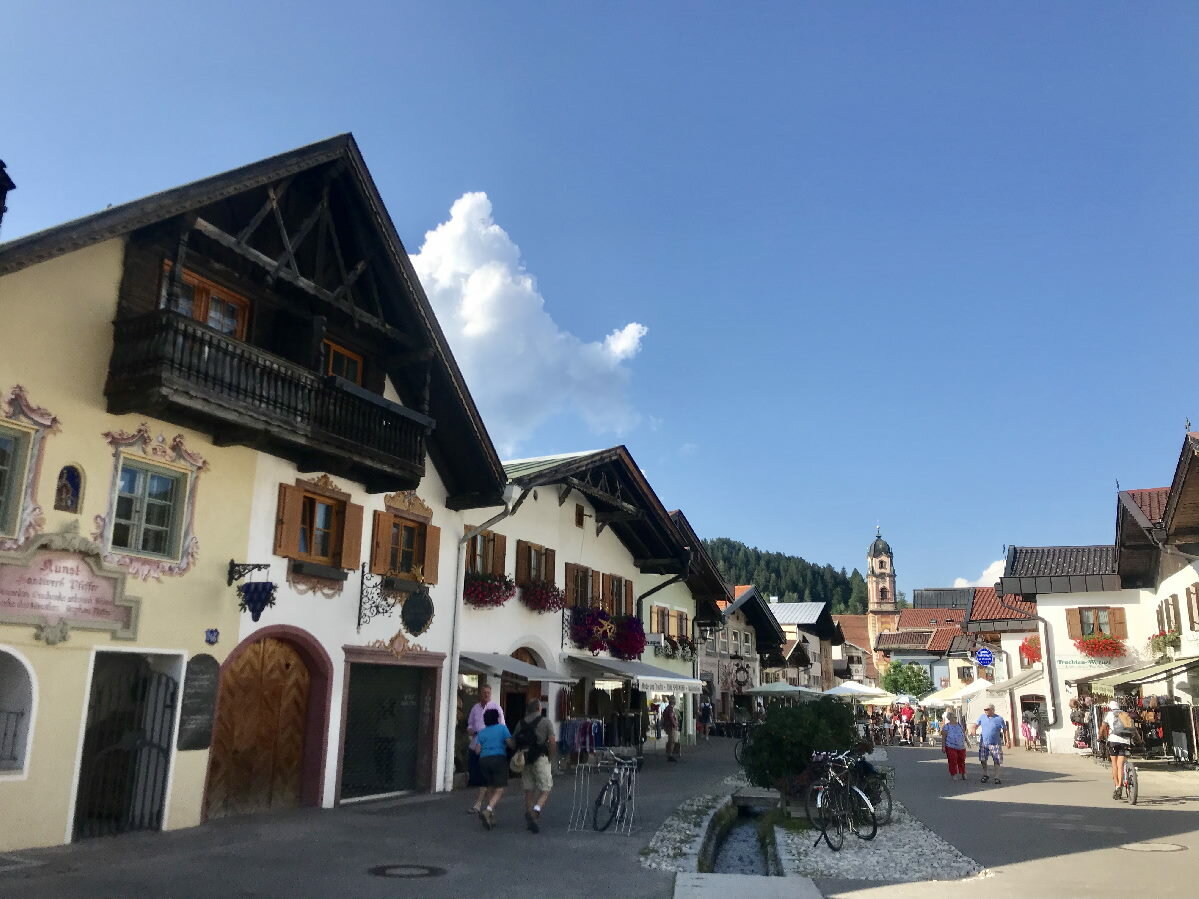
(835, 805)
(615, 799)
(747, 736)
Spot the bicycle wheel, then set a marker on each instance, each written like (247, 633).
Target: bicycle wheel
(861, 815)
(1130, 781)
(880, 798)
(813, 805)
(606, 805)
(739, 749)
(833, 826)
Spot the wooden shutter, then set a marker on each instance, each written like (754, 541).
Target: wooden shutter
(596, 586)
(499, 553)
(287, 521)
(522, 562)
(1176, 618)
(628, 598)
(351, 535)
(1193, 607)
(606, 587)
(1073, 623)
(432, 553)
(1161, 617)
(683, 631)
(551, 571)
(1115, 620)
(572, 595)
(381, 543)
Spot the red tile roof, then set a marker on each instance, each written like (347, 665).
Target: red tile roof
(1152, 501)
(903, 640)
(942, 637)
(741, 588)
(986, 606)
(857, 632)
(923, 619)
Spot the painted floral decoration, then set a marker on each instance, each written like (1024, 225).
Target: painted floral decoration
(485, 591)
(1101, 646)
(1030, 649)
(590, 628)
(1164, 640)
(628, 642)
(542, 596)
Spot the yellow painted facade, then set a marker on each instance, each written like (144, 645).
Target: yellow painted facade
(56, 344)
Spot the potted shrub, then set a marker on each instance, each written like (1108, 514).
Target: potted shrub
(542, 596)
(628, 638)
(1163, 641)
(486, 591)
(1101, 646)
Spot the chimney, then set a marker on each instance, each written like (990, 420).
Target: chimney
(6, 185)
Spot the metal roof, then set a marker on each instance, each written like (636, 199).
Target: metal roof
(1060, 561)
(942, 597)
(519, 468)
(797, 612)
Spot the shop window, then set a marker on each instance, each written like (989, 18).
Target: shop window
(207, 302)
(535, 564)
(15, 446)
(342, 362)
(318, 525)
(405, 547)
(68, 493)
(16, 715)
(148, 516)
(485, 552)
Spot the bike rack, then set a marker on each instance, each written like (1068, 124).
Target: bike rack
(588, 780)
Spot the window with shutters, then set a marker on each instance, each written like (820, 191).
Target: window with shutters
(747, 640)
(966, 674)
(535, 564)
(405, 546)
(1193, 607)
(15, 445)
(319, 525)
(736, 643)
(148, 516)
(618, 594)
(1094, 621)
(485, 553)
(582, 586)
(207, 302)
(580, 515)
(724, 640)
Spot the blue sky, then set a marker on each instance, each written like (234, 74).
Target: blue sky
(824, 265)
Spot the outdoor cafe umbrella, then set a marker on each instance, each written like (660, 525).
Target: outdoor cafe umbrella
(854, 690)
(780, 688)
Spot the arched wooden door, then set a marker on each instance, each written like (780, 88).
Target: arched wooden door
(257, 753)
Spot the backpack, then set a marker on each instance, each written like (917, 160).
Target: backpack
(1123, 725)
(527, 750)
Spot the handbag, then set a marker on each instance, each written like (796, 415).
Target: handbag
(516, 764)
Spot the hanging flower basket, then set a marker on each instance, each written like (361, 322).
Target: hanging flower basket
(687, 649)
(255, 596)
(1101, 646)
(1030, 649)
(590, 629)
(1162, 641)
(485, 591)
(628, 640)
(542, 596)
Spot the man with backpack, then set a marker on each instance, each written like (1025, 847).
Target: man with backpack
(1117, 729)
(535, 737)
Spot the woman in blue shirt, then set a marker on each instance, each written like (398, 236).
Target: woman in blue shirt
(493, 743)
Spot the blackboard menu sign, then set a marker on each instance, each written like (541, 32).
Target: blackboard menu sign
(199, 702)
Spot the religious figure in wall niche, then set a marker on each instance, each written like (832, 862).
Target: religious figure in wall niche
(69, 491)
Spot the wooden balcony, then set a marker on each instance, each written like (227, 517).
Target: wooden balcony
(179, 370)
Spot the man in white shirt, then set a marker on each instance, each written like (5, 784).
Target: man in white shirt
(1118, 726)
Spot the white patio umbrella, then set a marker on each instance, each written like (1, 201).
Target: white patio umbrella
(780, 688)
(854, 690)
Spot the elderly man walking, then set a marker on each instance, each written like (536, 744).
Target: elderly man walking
(475, 724)
(993, 736)
(535, 735)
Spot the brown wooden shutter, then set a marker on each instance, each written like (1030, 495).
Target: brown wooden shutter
(499, 554)
(381, 543)
(551, 570)
(1073, 623)
(606, 587)
(522, 562)
(287, 521)
(351, 535)
(628, 598)
(1115, 620)
(1161, 617)
(596, 589)
(432, 553)
(1176, 619)
(683, 630)
(572, 594)
(1193, 607)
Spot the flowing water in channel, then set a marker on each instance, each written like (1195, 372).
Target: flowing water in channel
(740, 852)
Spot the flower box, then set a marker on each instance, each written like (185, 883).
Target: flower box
(542, 596)
(1162, 641)
(590, 629)
(1101, 646)
(1030, 649)
(486, 591)
(628, 638)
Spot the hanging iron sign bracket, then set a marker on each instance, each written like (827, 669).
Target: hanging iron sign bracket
(238, 570)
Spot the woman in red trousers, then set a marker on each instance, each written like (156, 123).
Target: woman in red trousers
(953, 742)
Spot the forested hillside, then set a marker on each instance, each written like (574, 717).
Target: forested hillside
(790, 578)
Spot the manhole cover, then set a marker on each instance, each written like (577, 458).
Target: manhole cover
(406, 871)
(1153, 847)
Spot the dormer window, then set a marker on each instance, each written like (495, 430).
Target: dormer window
(206, 302)
(342, 362)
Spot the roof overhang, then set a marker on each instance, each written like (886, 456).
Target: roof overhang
(498, 664)
(753, 605)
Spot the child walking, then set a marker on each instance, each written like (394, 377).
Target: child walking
(953, 742)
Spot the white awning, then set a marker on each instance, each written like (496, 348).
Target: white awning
(649, 678)
(1012, 683)
(495, 663)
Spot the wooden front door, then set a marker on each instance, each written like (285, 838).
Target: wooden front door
(258, 739)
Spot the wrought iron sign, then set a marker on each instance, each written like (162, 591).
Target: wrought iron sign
(382, 593)
(238, 570)
(417, 613)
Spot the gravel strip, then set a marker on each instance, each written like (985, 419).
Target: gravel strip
(675, 847)
(904, 850)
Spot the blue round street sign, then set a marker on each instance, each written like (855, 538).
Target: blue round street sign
(984, 657)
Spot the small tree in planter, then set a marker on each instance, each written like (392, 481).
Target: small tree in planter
(542, 596)
(1162, 641)
(783, 745)
(485, 591)
(1030, 649)
(590, 629)
(1101, 646)
(628, 640)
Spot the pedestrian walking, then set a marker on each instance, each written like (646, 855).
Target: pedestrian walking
(993, 735)
(474, 724)
(535, 735)
(493, 743)
(705, 717)
(670, 724)
(953, 744)
(920, 722)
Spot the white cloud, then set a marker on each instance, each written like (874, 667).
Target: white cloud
(990, 575)
(522, 368)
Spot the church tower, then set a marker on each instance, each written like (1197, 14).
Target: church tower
(882, 614)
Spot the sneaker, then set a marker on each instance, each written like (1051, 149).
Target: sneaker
(996, 781)
(985, 778)
(535, 821)
(1118, 793)
(474, 810)
(487, 816)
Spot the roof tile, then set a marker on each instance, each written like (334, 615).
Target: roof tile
(903, 640)
(1152, 501)
(987, 607)
(1060, 561)
(923, 619)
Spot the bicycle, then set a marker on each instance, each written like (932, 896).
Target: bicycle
(615, 799)
(835, 804)
(1129, 784)
(746, 738)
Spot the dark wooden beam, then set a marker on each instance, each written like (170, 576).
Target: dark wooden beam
(610, 517)
(610, 499)
(289, 254)
(564, 493)
(402, 360)
(273, 193)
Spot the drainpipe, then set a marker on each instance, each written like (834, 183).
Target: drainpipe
(1047, 650)
(455, 650)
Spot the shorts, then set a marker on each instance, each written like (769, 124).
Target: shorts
(495, 770)
(988, 751)
(538, 776)
(1114, 749)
